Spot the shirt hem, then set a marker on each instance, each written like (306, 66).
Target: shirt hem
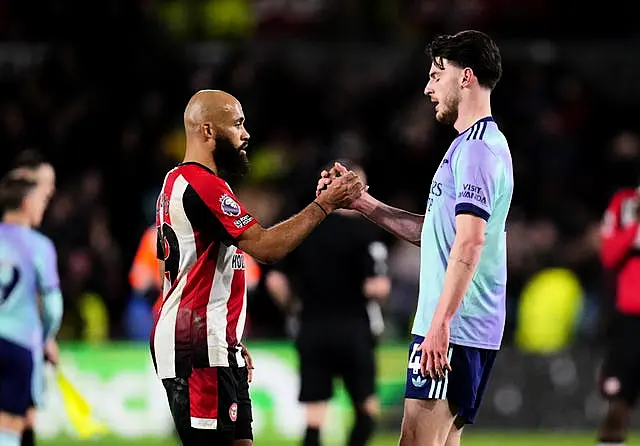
(472, 344)
(458, 341)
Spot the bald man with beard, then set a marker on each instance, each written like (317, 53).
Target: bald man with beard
(203, 232)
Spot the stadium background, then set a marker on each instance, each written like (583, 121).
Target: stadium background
(100, 88)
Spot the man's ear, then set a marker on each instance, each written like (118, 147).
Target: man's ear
(467, 77)
(208, 132)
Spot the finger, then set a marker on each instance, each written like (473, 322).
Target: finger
(322, 185)
(249, 360)
(437, 366)
(351, 178)
(445, 363)
(340, 168)
(430, 366)
(423, 364)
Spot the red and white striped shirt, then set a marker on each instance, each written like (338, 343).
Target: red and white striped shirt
(205, 295)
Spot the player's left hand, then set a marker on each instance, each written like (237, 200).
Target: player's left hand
(248, 360)
(435, 347)
(52, 352)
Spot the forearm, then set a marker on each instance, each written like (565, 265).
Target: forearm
(51, 313)
(402, 224)
(461, 266)
(276, 242)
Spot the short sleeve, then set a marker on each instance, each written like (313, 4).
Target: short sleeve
(221, 201)
(476, 174)
(47, 266)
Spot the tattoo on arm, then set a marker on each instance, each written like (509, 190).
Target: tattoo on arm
(466, 263)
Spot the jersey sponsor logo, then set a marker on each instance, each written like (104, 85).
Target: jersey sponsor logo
(435, 191)
(243, 221)
(229, 206)
(237, 261)
(436, 188)
(233, 412)
(472, 192)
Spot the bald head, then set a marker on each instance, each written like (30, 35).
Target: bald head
(214, 126)
(213, 107)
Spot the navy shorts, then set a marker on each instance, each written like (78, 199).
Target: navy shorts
(16, 371)
(463, 387)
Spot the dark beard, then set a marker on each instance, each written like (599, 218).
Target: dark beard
(450, 116)
(231, 164)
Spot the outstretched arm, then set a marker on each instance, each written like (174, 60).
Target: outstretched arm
(402, 224)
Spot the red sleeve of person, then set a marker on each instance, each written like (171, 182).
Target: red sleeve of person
(620, 248)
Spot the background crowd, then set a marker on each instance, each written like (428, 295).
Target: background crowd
(318, 80)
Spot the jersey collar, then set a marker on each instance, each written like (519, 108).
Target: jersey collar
(485, 119)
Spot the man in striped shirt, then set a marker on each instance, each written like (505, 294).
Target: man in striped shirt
(203, 231)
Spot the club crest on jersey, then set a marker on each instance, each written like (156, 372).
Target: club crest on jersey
(229, 206)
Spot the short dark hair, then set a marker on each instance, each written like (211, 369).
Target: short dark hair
(13, 191)
(28, 159)
(473, 49)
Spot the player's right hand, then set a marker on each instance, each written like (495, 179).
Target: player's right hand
(341, 191)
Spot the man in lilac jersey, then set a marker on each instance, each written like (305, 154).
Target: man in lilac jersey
(30, 302)
(459, 321)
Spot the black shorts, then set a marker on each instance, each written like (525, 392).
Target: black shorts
(211, 406)
(620, 374)
(326, 353)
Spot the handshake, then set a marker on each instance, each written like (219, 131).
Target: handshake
(340, 188)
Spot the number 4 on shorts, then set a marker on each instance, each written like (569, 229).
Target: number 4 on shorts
(414, 359)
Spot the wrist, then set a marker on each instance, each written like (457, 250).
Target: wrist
(441, 320)
(324, 206)
(366, 204)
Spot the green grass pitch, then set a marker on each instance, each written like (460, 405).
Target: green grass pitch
(470, 439)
